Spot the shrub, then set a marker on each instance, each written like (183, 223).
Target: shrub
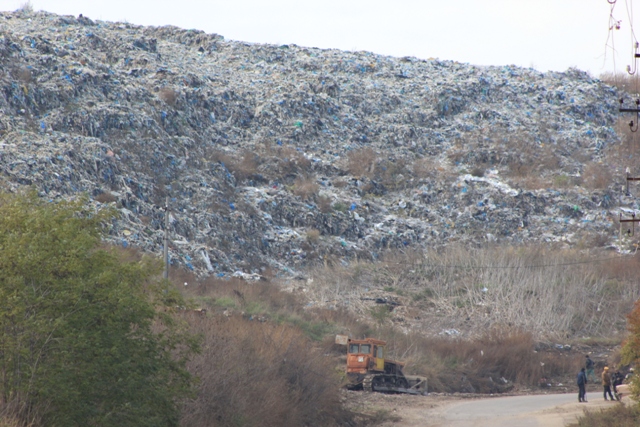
(305, 187)
(362, 162)
(340, 207)
(105, 197)
(25, 7)
(258, 366)
(168, 95)
(260, 374)
(324, 204)
(393, 173)
(246, 167)
(313, 235)
(23, 74)
(85, 338)
(292, 161)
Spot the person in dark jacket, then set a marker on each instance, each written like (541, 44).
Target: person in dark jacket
(582, 386)
(616, 380)
(606, 383)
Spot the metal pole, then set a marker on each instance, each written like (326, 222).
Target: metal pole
(166, 239)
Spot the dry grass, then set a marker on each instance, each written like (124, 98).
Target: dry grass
(597, 176)
(425, 168)
(618, 416)
(13, 414)
(625, 154)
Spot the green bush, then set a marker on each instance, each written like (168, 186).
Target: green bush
(84, 340)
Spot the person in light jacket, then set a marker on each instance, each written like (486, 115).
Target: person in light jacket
(606, 383)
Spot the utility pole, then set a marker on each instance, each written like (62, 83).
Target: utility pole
(633, 220)
(166, 239)
(630, 178)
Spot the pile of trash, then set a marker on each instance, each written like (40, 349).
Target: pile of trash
(277, 157)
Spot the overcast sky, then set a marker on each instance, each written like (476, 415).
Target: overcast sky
(543, 34)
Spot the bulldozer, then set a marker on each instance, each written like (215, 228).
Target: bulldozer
(368, 368)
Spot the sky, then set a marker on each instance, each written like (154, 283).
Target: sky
(542, 34)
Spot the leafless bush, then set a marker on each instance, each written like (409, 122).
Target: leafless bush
(106, 197)
(168, 95)
(254, 370)
(313, 235)
(482, 364)
(246, 167)
(393, 173)
(425, 168)
(622, 81)
(362, 162)
(23, 74)
(291, 161)
(547, 292)
(305, 187)
(260, 374)
(242, 168)
(25, 7)
(340, 183)
(593, 240)
(324, 204)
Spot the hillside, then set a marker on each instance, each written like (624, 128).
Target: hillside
(279, 157)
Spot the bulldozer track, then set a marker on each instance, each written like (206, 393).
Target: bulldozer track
(367, 383)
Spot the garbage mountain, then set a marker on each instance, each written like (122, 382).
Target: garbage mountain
(276, 157)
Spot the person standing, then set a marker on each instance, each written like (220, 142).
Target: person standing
(616, 380)
(606, 383)
(591, 376)
(582, 386)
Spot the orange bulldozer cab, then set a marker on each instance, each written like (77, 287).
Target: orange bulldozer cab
(368, 356)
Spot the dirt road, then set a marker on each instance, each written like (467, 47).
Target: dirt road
(539, 410)
(548, 410)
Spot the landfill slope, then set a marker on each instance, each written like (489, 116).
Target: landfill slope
(277, 157)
